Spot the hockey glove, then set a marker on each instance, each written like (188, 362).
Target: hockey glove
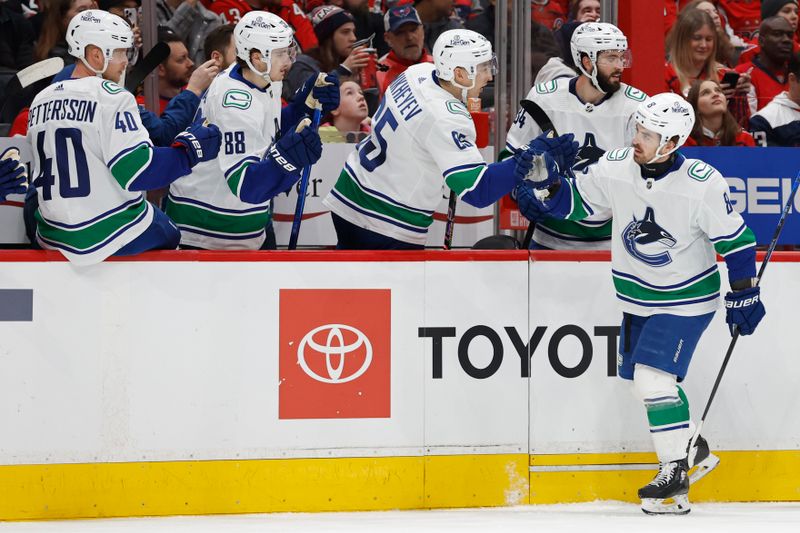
(200, 142)
(537, 167)
(13, 176)
(563, 148)
(322, 88)
(744, 310)
(296, 150)
(529, 205)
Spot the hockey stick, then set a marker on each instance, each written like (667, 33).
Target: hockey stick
(301, 193)
(735, 336)
(451, 220)
(39, 71)
(146, 65)
(545, 124)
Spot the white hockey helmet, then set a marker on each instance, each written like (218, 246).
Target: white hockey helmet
(100, 28)
(669, 115)
(462, 48)
(264, 32)
(591, 38)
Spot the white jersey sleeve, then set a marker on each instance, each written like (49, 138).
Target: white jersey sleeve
(126, 145)
(716, 216)
(592, 191)
(452, 146)
(523, 129)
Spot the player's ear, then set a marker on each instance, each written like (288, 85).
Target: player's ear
(587, 63)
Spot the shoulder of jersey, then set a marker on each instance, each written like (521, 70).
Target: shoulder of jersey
(632, 94)
(618, 154)
(549, 87)
(700, 173)
(232, 95)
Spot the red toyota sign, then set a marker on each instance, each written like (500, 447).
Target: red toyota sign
(335, 353)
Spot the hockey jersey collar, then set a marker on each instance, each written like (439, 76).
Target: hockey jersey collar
(236, 74)
(573, 89)
(658, 171)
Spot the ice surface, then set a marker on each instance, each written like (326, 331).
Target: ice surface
(596, 517)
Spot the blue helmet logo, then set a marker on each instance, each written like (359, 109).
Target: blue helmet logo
(642, 235)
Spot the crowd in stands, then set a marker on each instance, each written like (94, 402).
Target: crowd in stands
(748, 46)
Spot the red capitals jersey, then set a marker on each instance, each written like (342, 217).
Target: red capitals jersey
(550, 13)
(766, 85)
(232, 10)
(743, 16)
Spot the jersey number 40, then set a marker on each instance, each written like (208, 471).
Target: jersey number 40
(67, 187)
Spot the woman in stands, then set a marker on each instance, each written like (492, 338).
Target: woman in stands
(52, 39)
(714, 124)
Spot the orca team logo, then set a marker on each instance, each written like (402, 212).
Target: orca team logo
(645, 240)
(588, 154)
(334, 356)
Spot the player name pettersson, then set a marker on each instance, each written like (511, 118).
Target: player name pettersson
(406, 103)
(66, 109)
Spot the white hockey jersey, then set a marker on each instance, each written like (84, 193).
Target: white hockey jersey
(664, 237)
(89, 144)
(203, 204)
(422, 139)
(597, 128)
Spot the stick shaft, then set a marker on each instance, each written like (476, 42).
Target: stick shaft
(301, 193)
(451, 220)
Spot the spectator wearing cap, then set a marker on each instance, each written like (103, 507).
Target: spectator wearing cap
(769, 69)
(232, 10)
(787, 9)
(335, 31)
(405, 36)
(191, 21)
(435, 16)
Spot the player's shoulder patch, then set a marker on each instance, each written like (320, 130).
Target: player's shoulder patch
(700, 171)
(111, 88)
(546, 87)
(237, 98)
(617, 155)
(457, 108)
(635, 94)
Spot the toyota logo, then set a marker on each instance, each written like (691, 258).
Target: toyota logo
(334, 345)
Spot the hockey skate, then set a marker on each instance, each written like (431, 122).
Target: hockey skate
(668, 493)
(702, 460)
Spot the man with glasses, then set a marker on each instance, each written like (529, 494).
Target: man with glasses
(597, 108)
(423, 140)
(225, 204)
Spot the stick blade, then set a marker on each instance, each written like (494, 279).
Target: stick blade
(146, 65)
(39, 71)
(538, 115)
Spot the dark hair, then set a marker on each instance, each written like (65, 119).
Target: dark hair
(218, 40)
(794, 65)
(730, 128)
(325, 55)
(574, 6)
(54, 27)
(166, 35)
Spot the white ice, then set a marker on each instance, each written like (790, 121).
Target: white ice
(597, 517)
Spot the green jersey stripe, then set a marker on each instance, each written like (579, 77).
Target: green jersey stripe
(569, 228)
(704, 287)
(232, 224)
(464, 180)
(578, 211)
(128, 167)
(745, 239)
(90, 236)
(235, 179)
(348, 188)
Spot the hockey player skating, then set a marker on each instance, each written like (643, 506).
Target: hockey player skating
(597, 108)
(671, 216)
(422, 139)
(93, 158)
(225, 204)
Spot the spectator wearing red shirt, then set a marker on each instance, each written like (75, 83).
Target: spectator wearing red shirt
(232, 10)
(770, 8)
(550, 13)
(405, 36)
(714, 125)
(769, 69)
(743, 16)
(778, 122)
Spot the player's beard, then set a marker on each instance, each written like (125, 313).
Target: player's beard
(606, 85)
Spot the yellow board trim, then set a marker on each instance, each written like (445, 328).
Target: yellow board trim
(31, 492)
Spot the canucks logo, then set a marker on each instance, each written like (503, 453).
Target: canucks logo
(588, 154)
(643, 236)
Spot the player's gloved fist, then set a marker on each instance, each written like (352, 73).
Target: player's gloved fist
(529, 205)
(744, 310)
(201, 142)
(322, 88)
(539, 168)
(296, 150)
(13, 176)
(563, 148)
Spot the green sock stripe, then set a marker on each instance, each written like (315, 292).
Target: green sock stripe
(668, 413)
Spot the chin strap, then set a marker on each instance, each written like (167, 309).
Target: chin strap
(464, 89)
(98, 73)
(264, 74)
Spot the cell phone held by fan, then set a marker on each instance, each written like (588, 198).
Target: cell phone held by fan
(730, 78)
